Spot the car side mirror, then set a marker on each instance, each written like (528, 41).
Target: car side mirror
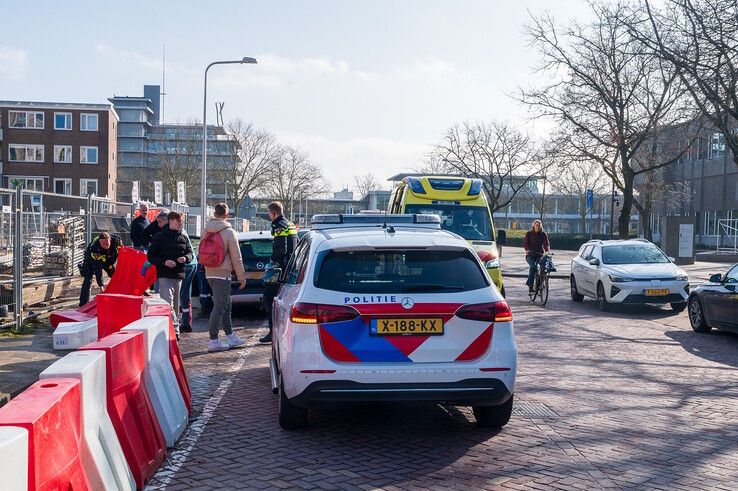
(594, 261)
(272, 276)
(671, 259)
(716, 278)
(501, 237)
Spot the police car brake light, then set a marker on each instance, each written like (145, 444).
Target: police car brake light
(310, 313)
(487, 312)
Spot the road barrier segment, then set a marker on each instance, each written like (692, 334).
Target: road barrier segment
(102, 454)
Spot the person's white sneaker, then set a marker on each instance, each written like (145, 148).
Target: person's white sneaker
(218, 345)
(234, 341)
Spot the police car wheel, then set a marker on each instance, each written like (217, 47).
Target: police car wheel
(575, 295)
(291, 417)
(493, 416)
(602, 302)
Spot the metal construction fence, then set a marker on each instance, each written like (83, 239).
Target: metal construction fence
(43, 237)
(727, 236)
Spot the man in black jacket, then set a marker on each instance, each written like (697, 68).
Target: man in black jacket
(138, 226)
(155, 227)
(284, 234)
(170, 250)
(101, 254)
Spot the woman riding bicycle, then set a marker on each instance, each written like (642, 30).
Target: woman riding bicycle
(536, 244)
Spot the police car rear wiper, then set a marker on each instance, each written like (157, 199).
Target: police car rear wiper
(430, 287)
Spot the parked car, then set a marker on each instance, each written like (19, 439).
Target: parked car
(390, 309)
(715, 303)
(631, 271)
(256, 250)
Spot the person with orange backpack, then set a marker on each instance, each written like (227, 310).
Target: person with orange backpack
(220, 254)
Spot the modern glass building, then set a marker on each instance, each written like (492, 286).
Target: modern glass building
(149, 150)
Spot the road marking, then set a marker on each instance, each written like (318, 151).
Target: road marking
(177, 458)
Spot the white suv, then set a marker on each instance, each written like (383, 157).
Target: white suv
(390, 309)
(627, 272)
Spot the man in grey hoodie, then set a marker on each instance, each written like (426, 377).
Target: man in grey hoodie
(219, 279)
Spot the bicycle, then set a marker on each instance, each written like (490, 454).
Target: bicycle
(540, 283)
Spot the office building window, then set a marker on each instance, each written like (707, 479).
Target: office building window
(717, 145)
(88, 122)
(62, 154)
(88, 155)
(63, 186)
(62, 121)
(25, 153)
(87, 187)
(25, 119)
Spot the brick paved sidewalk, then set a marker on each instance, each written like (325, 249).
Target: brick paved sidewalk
(625, 400)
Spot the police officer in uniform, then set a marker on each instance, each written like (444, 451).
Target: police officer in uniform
(284, 233)
(101, 254)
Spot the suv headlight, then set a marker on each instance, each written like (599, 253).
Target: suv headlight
(682, 278)
(494, 263)
(618, 279)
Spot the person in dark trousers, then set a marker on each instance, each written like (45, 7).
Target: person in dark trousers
(101, 254)
(148, 234)
(169, 251)
(284, 233)
(138, 226)
(185, 292)
(535, 244)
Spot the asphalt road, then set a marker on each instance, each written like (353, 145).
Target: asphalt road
(624, 400)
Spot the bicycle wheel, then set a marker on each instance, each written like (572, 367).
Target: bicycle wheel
(544, 289)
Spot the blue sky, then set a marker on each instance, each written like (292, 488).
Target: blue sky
(363, 86)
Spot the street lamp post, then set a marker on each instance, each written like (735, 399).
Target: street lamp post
(204, 171)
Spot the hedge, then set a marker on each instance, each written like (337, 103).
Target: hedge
(564, 242)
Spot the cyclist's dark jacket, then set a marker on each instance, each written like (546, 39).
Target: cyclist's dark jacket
(285, 240)
(536, 243)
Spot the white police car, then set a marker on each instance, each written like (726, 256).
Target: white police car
(390, 309)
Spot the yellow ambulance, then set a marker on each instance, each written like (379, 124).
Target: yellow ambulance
(463, 208)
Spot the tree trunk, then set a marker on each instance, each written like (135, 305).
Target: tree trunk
(645, 212)
(624, 218)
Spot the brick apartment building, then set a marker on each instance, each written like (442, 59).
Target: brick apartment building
(59, 147)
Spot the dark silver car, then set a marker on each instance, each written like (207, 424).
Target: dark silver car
(715, 303)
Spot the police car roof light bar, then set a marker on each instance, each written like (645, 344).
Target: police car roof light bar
(325, 221)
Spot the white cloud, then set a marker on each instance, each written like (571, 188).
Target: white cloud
(13, 62)
(122, 55)
(341, 160)
(428, 67)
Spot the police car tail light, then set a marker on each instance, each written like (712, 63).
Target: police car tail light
(310, 313)
(487, 312)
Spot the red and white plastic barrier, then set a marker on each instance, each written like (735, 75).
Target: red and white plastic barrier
(129, 405)
(72, 335)
(159, 375)
(50, 411)
(14, 458)
(102, 455)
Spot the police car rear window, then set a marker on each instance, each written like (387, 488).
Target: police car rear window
(256, 248)
(418, 271)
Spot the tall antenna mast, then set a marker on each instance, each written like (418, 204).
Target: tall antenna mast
(163, 80)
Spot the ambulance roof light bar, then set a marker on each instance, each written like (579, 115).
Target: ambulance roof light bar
(326, 221)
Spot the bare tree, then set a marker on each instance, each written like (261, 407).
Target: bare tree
(294, 177)
(504, 158)
(179, 160)
(611, 94)
(365, 183)
(699, 39)
(256, 153)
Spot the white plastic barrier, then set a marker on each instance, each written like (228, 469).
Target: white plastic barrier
(102, 454)
(161, 382)
(72, 335)
(14, 458)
